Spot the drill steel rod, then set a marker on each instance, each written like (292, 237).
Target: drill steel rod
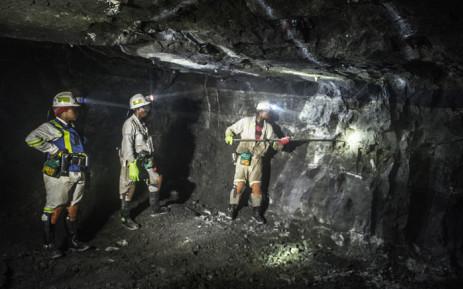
(293, 140)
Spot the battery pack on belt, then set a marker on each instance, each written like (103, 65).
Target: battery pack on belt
(245, 159)
(67, 160)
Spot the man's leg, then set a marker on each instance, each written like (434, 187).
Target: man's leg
(235, 196)
(239, 183)
(154, 183)
(126, 191)
(49, 219)
(55, 199)
(255, 178)
(77, 192)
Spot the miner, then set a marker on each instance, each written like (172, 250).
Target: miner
(248, 166)
(137, 161)
(63, 171)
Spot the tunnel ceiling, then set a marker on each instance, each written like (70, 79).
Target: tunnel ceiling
(337, 38)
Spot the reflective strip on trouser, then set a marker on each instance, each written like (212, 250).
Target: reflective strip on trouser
(63, 190)
(256, 200)
(235, 196)
(127, 186)
(249, 174)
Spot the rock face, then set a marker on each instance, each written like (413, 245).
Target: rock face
(378, 77)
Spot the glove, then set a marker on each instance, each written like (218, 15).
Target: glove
(229, 139)
(284, 141)
(134, 172)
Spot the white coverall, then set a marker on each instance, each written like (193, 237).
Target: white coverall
(135, 139)
(246, 128)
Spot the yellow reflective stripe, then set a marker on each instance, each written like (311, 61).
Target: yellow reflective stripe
(67, 140)
(56, 124)
(35, 142)
(66, 136)
(48, 210)
(36, 145)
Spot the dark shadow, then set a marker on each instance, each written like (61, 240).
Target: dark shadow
(100, 207)
(177, 147)
(100, 200)
(453, 222)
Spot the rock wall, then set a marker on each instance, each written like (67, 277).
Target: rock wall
(396, 178)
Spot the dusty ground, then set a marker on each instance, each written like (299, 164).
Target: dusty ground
(185, 249)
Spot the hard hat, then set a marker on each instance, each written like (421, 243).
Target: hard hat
(65, 99)
(138, 100)
(264, 105)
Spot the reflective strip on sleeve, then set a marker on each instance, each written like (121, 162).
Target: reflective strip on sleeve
(35, 142)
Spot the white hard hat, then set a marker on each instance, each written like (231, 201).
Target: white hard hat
(65, 99)
(138, 100)
(264, 105)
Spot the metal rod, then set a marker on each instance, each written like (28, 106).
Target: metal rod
(293, 140)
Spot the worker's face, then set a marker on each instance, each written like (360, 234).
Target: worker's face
(71, 114)
(264, 114)
(144, 111)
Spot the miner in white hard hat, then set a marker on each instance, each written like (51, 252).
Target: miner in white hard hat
(137, 161)
(250, 153)
(63, 171)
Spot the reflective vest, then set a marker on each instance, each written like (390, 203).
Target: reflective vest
(70, 141)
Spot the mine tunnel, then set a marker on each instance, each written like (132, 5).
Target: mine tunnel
(367, 193)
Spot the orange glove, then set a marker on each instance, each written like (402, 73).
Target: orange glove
(284, 141)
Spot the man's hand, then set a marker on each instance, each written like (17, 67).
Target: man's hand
(284, 141)
(134, 173)
(229, 139)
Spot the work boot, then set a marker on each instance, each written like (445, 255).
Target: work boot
(156, 209)
(258, 215)
(126, 220)
(74, 243)
(233, 212)
(52, 251)
(49, 237)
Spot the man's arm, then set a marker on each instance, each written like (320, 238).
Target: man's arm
(128, 140)
(40, 138)
(234, 129)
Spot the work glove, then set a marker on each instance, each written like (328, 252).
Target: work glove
(134, 173)
(284, 140)
(229, 139)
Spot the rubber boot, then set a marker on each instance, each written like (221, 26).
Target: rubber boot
(233, 211)
(156, 209)
(74, 243)
(257, 216)
(126, 220)
(49, 237)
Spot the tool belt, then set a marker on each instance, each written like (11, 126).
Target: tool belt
(245, 159)
(57, 167)
(145, 161)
